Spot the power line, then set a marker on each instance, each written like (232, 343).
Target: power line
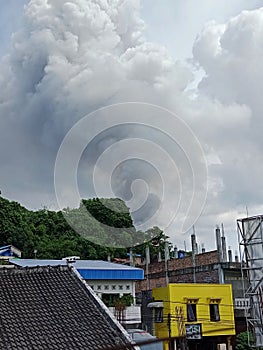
(132, 345)
(122, 320)
(198, 303)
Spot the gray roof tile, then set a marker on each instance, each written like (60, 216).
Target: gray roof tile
(50, 308)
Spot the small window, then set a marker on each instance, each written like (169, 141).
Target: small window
(113, 287)
(214, 312)
(127, 287)
(99, 287)
(106, 287)
(92, 287)
(158, 314)
(120, 287)
(191, 312)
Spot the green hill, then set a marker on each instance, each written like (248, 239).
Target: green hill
(48, 232)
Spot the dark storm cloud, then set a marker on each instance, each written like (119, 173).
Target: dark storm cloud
(70, 58)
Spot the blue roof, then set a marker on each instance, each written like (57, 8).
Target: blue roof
(9, 250)
(5, 246)
(90, 269)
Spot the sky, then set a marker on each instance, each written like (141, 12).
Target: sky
(158, 103)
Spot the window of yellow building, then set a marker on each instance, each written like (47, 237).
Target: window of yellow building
(191, 313)
(158, 314)
(191, 310)
(214, 310)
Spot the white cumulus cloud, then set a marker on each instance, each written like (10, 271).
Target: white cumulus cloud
(70, 58)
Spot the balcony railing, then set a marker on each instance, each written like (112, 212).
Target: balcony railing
(130, 315)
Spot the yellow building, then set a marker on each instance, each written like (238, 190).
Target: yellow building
(201, 313)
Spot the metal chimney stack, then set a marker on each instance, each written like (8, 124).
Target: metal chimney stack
(131, 258)
(230, 259)
(223, 238)
(166, 251)
(203, 248)
(166, 259)
(218, 244)
(236, 256)
(193, 243)
(148, 261)
(175, 252)
(194, 251)
(147, 255)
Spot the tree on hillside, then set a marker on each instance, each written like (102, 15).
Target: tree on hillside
(104, 221)
(51, 233)
(155, 239)
(109, 211)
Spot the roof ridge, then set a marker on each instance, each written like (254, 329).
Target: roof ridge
(35, 269)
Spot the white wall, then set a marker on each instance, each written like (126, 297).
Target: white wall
(113, 286)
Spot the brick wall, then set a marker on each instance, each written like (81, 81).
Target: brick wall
(181, 271)
(210, 276)
(200, 260)
(156, 267)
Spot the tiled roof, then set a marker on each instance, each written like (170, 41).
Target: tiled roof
(51, 308)
(37, 262)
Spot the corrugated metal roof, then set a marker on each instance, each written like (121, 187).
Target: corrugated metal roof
(10, 250)
(101, 265)
(5, 246)
(36, 262)
(108, 274)
(90, 269)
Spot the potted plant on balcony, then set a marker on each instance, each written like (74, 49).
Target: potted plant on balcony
(120, 305)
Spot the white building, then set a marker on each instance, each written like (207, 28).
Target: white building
(113, 283)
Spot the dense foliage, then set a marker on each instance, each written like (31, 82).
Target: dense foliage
(49, 233)
(155, 240)
(103, 221)
(97, 224)
(245, 341)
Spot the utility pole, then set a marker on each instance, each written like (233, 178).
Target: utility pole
(166, 259)
(183, 343)
(193, 238)
(131, 257)
(170, 345)
(147, 253)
